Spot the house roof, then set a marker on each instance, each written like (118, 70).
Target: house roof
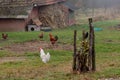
(46, 2)
(21, 8)
(9, 3)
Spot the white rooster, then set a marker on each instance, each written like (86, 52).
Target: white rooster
(45, 57)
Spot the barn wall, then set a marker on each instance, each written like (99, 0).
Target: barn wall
(12, 25)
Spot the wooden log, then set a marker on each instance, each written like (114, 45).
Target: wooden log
(91, 64)
(74, 55)
(90, 53)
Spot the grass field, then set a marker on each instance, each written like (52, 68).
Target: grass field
(27, 65)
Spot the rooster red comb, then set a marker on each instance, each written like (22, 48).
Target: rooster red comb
(40, 47)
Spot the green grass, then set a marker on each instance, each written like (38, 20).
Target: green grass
(107, 44)
(33, 63)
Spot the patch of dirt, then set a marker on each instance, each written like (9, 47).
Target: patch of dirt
(33, 46)
(11, 59)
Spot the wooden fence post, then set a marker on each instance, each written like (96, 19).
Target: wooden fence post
(91, 62)
(74, 55)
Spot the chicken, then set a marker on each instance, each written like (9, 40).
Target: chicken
(45, 57)
(85, 35)
(53, 39)
(41, 36)
(4, 36)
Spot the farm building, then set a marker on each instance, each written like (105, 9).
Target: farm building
(31, 15)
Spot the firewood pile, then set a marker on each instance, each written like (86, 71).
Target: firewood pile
(52, 16)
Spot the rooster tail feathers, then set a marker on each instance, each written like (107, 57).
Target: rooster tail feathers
(56, 37)
(4, 34)
(48, 55)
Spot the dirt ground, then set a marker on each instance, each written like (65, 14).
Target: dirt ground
(33, 46)
(11, 59)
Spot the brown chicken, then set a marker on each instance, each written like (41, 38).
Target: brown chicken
(53, 39)
(4, 36)
(41, 36)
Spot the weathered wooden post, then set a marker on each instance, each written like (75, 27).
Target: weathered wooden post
(84, 58)
(91, 62)
(74, 55)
